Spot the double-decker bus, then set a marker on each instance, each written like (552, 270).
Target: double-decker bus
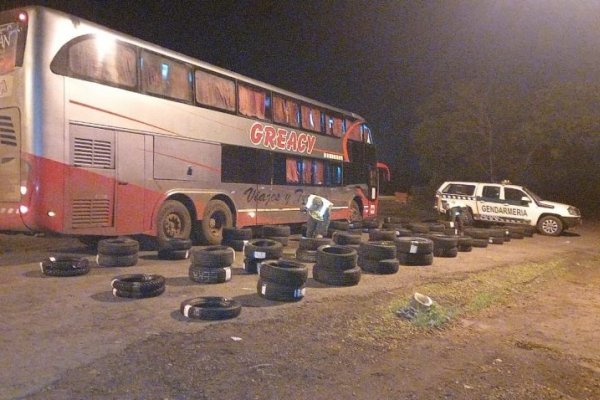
(103, 134)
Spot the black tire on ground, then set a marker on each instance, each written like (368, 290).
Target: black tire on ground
(283, 271)
(276, 231)
(284, 240)
(414, 245)
(464, 244)
(237, 245)
(379, 234)
(335, 277)
(230, 233)
(263, 249)
(370, 223)
(451, 252)
(210, 308)
(65, 266)
(496, 240)
(215, 217)
(415, 259)
(313, 243)
(173, 254)
(339, 225)
(336, 256)
(209, 275)
(418, 227)
(278, 292)
(251, 265)
(138, 295)
(104, 260)
(173, 220)
(308, 256)
(382, 267)
(550, 225)
(443, 242)
(344, 238)
(436, 227)
(175, 244)
(121, 246)
(216, 256)
(481, 243)
(138, 282)
(478, 233)
(383, 250)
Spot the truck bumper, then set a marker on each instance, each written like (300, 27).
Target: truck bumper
(571, 222)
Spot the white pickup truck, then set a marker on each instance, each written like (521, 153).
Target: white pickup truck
(508, 204)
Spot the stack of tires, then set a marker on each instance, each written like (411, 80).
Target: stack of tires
(282, 280)
(378, 257)
(138, 286)
(444, 245)
(418, 227)
(307, 248)
(351, 239)
(376, 235)
(258, 250)
(417, 251)
(174, 249)
(211, 264)
(398, 228)
(355, 226)
(61, 265)
(336, 266)
(479, 237)
(465, 244)
(337, 226)
(236, 238)
(279, 233)
(516, 232)
(370, 223)
(117, 252)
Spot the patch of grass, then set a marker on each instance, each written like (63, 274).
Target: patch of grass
(464, 296)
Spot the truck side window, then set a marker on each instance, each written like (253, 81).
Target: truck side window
(491, 193)
(513, 196)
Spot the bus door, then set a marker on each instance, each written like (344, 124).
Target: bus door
(129, 182)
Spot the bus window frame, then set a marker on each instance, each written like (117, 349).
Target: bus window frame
(269, 95)
(191, 77)
(235, 89)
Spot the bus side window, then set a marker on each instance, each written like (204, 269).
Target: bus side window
(254, 102)
(165, 77)
(312, 118)
(215, 91)
(333, 176)
(285, 111)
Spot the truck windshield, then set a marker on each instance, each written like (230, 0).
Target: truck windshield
(535, 197)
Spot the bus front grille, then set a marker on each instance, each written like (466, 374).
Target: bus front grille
(91, 213)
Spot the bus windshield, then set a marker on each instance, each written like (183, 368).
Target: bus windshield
(9, 40)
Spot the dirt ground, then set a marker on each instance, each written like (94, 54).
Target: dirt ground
(535, 338)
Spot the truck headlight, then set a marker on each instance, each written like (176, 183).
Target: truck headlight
(574, 211)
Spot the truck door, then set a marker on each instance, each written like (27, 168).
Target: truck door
(489, 203)
(520, 210)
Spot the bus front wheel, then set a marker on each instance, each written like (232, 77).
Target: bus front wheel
(216, 216)
(174, 221)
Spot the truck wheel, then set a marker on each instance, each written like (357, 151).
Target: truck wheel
(173, 221)
(550, 225)
(217, 216)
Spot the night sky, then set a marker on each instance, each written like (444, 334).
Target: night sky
(376, 58)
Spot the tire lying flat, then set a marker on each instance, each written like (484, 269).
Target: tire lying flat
(210, 308)
(63, 266)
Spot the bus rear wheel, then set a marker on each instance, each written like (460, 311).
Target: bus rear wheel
(174, 221)
(216, 216)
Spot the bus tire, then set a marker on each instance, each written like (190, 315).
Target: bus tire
(336, 277)
(213, 256)
(336, 257)
(138, 282)
(65, 266)
(278, 292)
(283, 271)
(105, 260)
(173, 221)
(216, 216)
(209, 275)
(210, 308)
(120, 246)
